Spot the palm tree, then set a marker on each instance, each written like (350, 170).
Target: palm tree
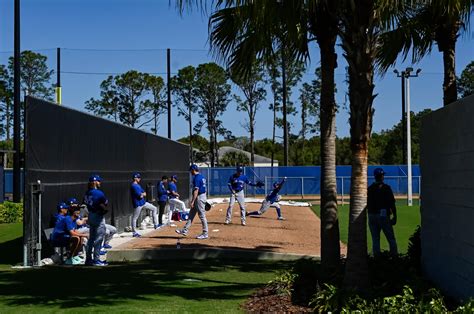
(362, 24)
(420, 26)
(241, 33)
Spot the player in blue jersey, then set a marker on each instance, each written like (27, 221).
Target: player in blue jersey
(174, 201)
(139, 202)
(64, 234)
(162, 198)
(271, 200)
(83, 227)
(97, 206)
(198, 203)
(236, 185)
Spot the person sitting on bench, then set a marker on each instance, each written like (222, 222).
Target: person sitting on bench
(65, 235)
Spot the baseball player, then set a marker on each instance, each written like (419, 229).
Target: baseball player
(271, 200)
(139, 202)
(97, 206)
(174, 201)
(162, 198)
(236, 186)
(83, 227)
(198, 203)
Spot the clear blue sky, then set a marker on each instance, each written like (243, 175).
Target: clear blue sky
(97, 25)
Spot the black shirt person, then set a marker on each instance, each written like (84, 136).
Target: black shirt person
(380, 206)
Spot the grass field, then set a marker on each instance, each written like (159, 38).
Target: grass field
(172, 286)
(408, 218)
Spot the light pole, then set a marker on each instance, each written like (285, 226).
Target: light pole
(405, 75)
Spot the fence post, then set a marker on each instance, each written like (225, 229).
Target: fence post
(342, 192)
(302, 187)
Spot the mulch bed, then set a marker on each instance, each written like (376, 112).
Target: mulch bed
(267, 299)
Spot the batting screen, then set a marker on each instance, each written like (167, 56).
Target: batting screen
(64, 147)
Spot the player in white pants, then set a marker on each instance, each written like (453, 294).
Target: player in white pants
(139, 202)
(236, 185)
(175, 203)
(271, 200)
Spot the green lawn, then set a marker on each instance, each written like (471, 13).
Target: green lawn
(408, 218)
(168, 286)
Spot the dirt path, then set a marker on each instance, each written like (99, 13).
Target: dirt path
(299, 233)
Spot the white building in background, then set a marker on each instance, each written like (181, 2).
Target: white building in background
(260, 161)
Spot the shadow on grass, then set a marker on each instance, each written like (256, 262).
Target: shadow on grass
(11, 251)
(73, 287)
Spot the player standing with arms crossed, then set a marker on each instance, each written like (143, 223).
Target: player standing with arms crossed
(97, 206)
(198, 202)
(139, 202)
(175, 202)
(236, 186)
(271, 200)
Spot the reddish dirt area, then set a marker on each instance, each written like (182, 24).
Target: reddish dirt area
(267, 300)
(299, 233)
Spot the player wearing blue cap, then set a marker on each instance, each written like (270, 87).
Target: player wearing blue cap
(174, 201)
(97, 206)
(162, 198)
(271, 200)
(64, 234)
(139, 202)
(380, 205)
(236, 185)
(83, 227)
(198, 203)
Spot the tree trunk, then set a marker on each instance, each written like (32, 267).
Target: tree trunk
(274, 129)
(7, 114)
(330, 245)
(359, 42)
(285, 122)
(446, 39)
(211, 142)
(252, 145)
(190, 136)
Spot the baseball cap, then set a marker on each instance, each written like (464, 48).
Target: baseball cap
(174, 177)
(194, 167)
(239, 169)
(62, 205)
(275, 185)
(378, 172)
(136, 175)
(72, 201)
(95, 177)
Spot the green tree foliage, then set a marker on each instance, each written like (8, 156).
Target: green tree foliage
(231, 159)
(132, 98)
(184, 87)
(213, 93)
(6, 102)
(466, 81)
(421, 25)
(35, 81)
(252, 86)
(35, 75)
(157, 101)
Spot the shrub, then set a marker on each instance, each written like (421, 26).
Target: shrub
(283, 282)
(414, 249)
(11, 212)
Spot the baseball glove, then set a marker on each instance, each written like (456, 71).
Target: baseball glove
(207, 206)
(260, 184)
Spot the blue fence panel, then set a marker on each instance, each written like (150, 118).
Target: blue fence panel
(302, 180)
(305, 180)
(8, 181)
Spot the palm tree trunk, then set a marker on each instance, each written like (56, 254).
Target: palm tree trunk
(358, 41)
(330, 246)
(447, 44)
